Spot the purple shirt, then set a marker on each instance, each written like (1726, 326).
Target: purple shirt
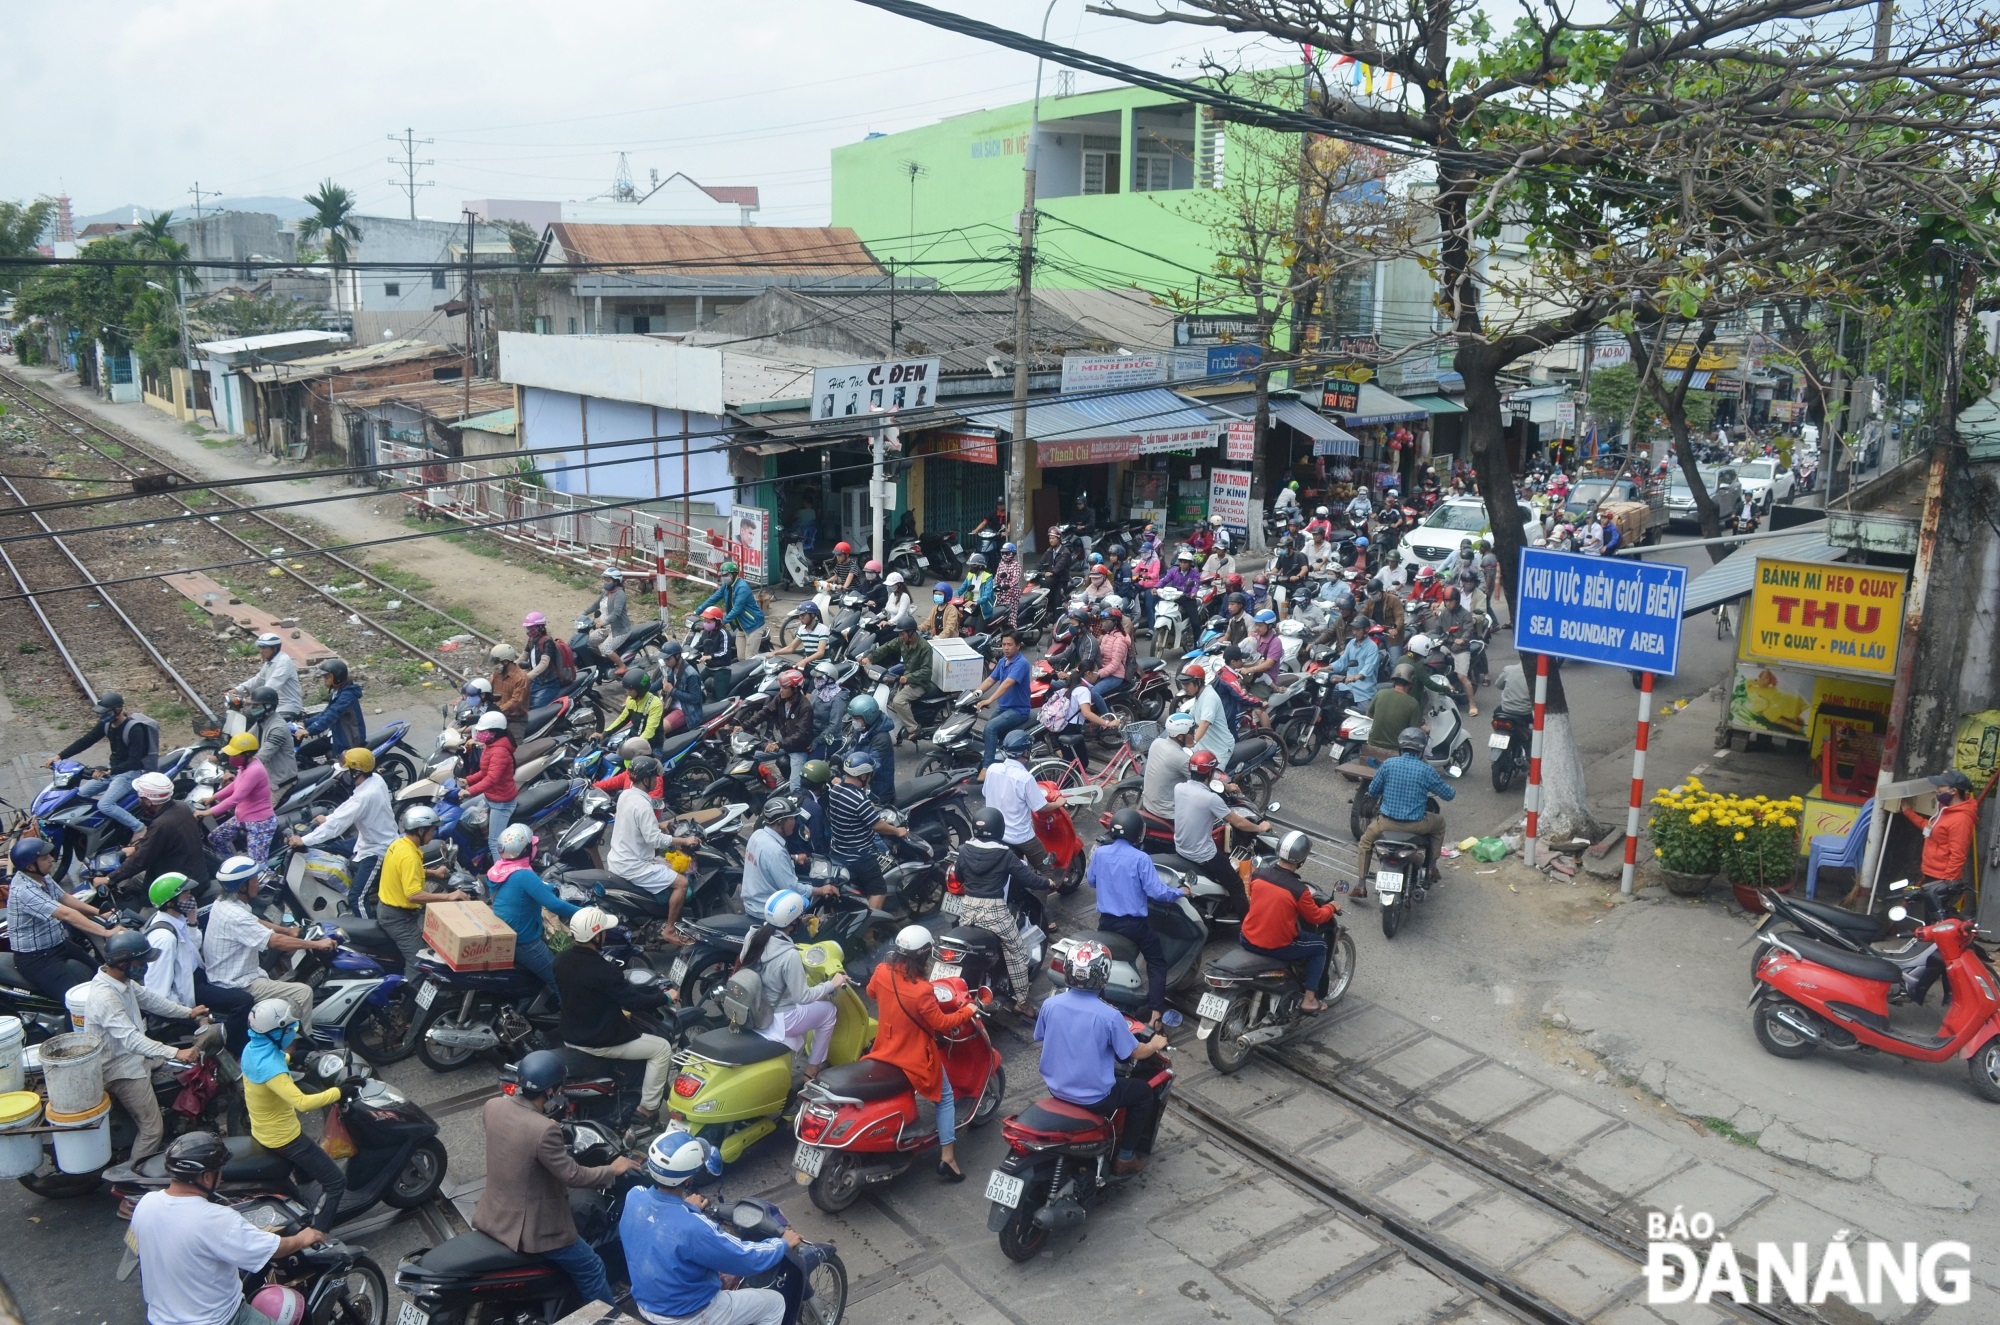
(1083, 1041)
(1268, 647)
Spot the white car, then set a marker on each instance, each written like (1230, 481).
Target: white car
(1766, 480)
(1456, 518)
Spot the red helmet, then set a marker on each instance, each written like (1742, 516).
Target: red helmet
(1426, 573)
(1235, 580)
(1194, 672)
(711, 614)
(792, 677)
(843, 549)
(1202, 763)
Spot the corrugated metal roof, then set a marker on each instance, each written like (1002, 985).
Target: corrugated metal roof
(1436, 404)
(1731, 578)
(1141, 412)
(504, 421)
(276, 340)
(355, 359)
(717, 249)
(1299, 415)
(445, 401)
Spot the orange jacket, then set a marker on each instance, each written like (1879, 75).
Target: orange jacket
(1948, 838)
(1279, 902)
(909, 1021)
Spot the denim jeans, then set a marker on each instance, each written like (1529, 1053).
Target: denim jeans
(1002, 722)
(1102, 690)
(109, 793)
(543, 692)
(498, 813)
(534, 957)
(798, 760)
(584, 1268)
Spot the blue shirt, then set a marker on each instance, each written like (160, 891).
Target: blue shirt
(676, 1255)
(1403, 784)
(1083, 1041)
(1125, 878)
(1017, 695)
(520, 901)
(739, 604)
(1362, 657)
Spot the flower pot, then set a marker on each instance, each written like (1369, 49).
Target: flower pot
(1685, 885)
(1751, 899)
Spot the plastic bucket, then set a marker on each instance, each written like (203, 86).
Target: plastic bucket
(73, 1068)
(83, 1139)
(75, 1000)
(19, 1155)
(11, 1038)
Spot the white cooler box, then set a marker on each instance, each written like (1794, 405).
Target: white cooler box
(959, 666)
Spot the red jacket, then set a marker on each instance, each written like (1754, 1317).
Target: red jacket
(495, 778)
(911, 1019)
(1279, 900)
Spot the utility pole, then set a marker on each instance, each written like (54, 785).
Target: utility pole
(471, 304)
(1022, 456)
(408, 161)
(200, 193)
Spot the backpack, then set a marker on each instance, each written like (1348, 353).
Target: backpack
(562, 664)
(1385, 666)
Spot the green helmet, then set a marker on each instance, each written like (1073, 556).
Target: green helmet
(731, 568)
(818, 772)
(167, 887)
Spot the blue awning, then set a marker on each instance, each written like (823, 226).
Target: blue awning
(1377, 406)
(1159, 419)
(1735, 575)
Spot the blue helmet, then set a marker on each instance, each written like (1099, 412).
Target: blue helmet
(681, 1160)
(865, 708)
(809, 606)
(1361, 540)
(1009, 547)
(671, 649)
(236, 872)
(1266, 618)
(858, 763)
(25, 853)
(1016, 742)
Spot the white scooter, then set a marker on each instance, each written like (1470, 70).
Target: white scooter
(1170, 622)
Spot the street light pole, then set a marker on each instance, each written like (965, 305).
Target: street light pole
(1017, 471)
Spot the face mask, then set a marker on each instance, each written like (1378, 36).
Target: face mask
(484, 737)
(939, 599)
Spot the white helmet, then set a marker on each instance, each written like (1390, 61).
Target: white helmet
(516, 840)
(1322, 511)
(1420, 644)
(912, 940)
(1178, 725)
(677, 1158)
(493, 720)
(269, 641)
(503, 653)
(590, 921)
(784, 909)
(1215, 520)
(154, 787)
(893, 577)
(419, 817)
(270, 1014)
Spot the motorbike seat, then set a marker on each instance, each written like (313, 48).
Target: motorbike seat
(364, 933)
(1847, 963)
(1122, 948)
(311, 777)
(1394, 838)
(1244, 964)
(865, 1079)
(921, 788)
(247, 1162)
(1053, 1115)
(474, 1253)
(730, 927)
(734, 1048)
(1151, 665)
(1248, 749)
(672, 749)
(529, 751)
(533, 800)
(595, 879)
(538, 717)
(630, 899)
(1861, 928)
(584, 1066)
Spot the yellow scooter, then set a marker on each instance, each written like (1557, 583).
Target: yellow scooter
(731, 1086)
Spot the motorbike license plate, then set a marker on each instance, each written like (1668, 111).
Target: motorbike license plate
(1388, 881)
(946, 970)
(1003, 1189)
(925, 562)
(1498, 742)
(806, 1160)
(412, 1314)
(425, 997)
(678, 971)
(952, 904)
(1213, 1007)
(958, 547)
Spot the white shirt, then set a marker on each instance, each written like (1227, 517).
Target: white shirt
(1318, 553)
(282, 675)
(636, 836)
(1286, 500)
(230, 946)
(191, 1253)
(369, 811)
(172, 973)
(1012, 790)
(112, 1008)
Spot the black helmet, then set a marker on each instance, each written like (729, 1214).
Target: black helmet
(1411, 741)
(638, 682)
(264, 697)
(643, 770)
(126, 948)
(988, 824)
(540, 1072)
(335, 670)
(977, 561)
(110, 702)
(1126, 823)
(906, 623)
(1116, 550)
(195, 1154)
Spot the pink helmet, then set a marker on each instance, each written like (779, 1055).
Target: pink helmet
(287, 1306)
(872, 566)
(533, 619)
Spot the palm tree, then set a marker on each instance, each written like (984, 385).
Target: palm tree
(332, 219)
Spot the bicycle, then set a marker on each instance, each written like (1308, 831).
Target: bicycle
(1127, 764)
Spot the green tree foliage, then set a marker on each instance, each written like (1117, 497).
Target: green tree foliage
(21, 224)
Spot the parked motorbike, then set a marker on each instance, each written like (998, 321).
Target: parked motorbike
(1508, 746)
(1919, 961)
(1058, 1164)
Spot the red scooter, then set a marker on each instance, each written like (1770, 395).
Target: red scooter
(858, 1124)
(1812, 995)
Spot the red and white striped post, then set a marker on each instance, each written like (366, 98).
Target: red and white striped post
(1638, 781)
(1534, 797)
(660, 566)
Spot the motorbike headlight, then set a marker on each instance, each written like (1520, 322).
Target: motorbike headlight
(596, 802)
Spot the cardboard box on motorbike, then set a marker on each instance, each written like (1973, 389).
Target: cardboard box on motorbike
(469, 936)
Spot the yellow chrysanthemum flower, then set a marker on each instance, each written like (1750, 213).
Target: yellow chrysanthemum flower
(1739, 836)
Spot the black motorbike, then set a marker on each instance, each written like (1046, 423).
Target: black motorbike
(1508, 746)
(1402, 876)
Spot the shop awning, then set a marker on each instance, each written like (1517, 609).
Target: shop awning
(1377, 406)
(1099, 429)
(1297, 414)
(1436, 404)
(1733, 576)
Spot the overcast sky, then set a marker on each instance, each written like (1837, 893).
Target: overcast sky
(133, 101)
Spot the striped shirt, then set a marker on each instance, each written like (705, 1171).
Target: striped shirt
(809, 642)
(31, 914)
(851, 816)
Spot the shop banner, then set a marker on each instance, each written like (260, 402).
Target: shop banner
(1216, 365)
(1770, 700)
(976, 448)
(750, 541)
(1848, 703)
(1215, 329)
(865, 388)
(1109, 372)
(1229, 497)
(1085, 451)
(1840, 618)
(1342, 397)
(1600, 610)
(1242, 442)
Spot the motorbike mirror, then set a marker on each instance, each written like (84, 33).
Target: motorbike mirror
(1274, 807)
(1455, 771)
(1899, 913)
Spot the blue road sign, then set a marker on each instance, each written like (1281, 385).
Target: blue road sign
(1610, 610)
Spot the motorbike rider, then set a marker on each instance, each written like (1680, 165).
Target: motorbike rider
(114, 1005)
(829, 706)
(1011, 789)
(637, 841)
(609, 612)
(234, 938)
(1281, 907)
(551, 665)
(971, 593)
(1010, 688)
(194, 1248)
(1359, 508)
(1200, 540)
(134, 743)
(40, 914)
(843, 574)
(1517, 692)
(341, 725)
(770, 866)
(277, 749)
(809, 643)
(520, 895)
(943, 620)
(1068, 714)
(173, 840)
(1199, 810)
(1185, 576)
(525, 1206)
(1441, 668)
(176, 973)
(919, 678)
(1286, 503)
(369, 813)
(643, 712)
(595, 995)
(712, 646)
(1950, 833)
(1235, 619)
(808, 837)
(788, 723)
(1357, 665)
(1114, 655)
(630, 749)
(276, 670)
(899, 600)
(680, 689)
(1292, 566)
(788, 1008)
(991, 874)
(494, 778)
(1211, 719)
(404, 890)
(1488, 598)
(1166, 767)
(855, 825)
(274, 1102)
(1402, 789)
(1264, 650)
(870, 729)
(1146, 572)
(1220, 563)
(1127, 882)
(1397, 708)
(1083, 1040)
(510, 688)
(1322, 523)
(245, 799)
(738, 602)
(676, 1254)
(911, 1020)
(872, 586)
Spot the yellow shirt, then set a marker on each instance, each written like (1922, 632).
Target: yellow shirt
(275, 1106)
(402, 875)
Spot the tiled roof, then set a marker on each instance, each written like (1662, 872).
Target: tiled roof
(718, 249)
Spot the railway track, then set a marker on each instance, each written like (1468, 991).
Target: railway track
(79, 427)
